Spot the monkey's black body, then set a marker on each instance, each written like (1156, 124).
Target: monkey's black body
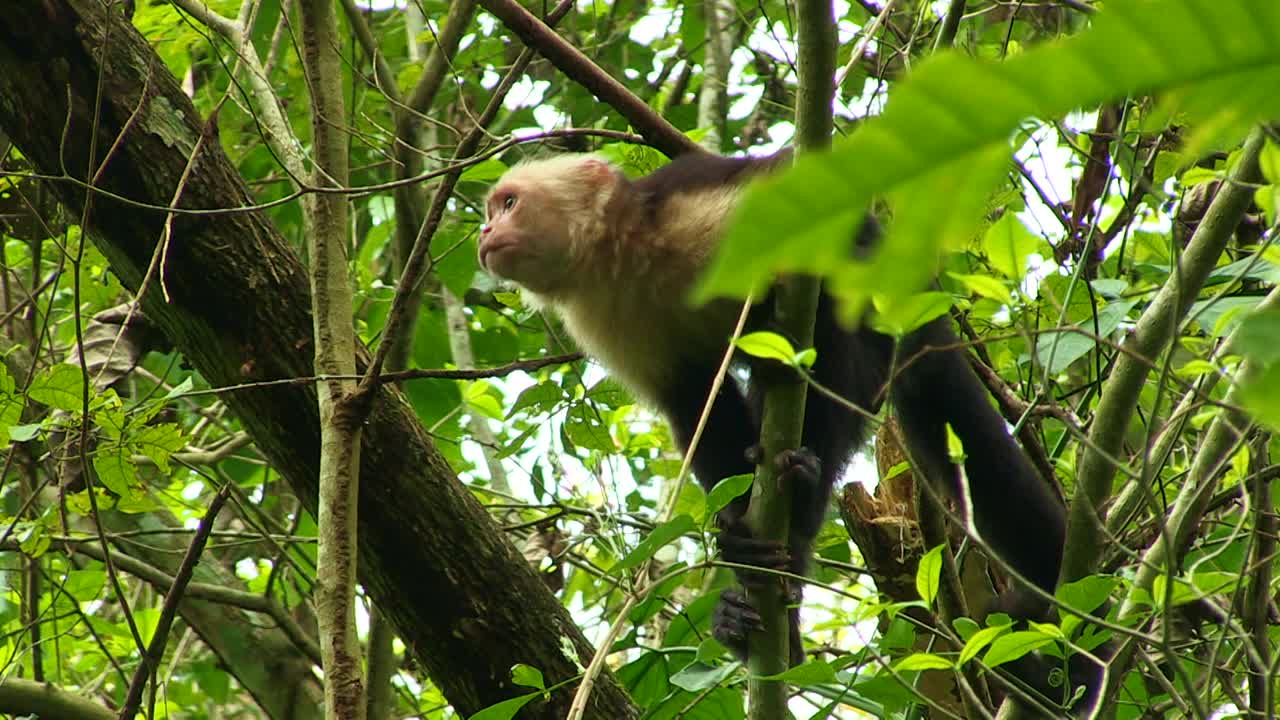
(929, 381)
(615, 257)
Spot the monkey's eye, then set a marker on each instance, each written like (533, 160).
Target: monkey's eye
(509, 202)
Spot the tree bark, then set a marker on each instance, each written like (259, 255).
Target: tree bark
(462, 599)
(326, 223)
(24, 697)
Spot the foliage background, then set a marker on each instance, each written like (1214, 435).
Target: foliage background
(1058, 163)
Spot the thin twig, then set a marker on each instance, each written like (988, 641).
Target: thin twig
(155, 650)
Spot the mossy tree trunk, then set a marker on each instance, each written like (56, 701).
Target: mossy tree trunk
(462, 599)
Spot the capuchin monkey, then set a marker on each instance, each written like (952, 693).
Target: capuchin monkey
(617, 258)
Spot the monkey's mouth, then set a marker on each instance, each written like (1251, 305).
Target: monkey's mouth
(488, 250)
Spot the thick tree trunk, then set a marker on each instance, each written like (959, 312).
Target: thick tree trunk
(462, 599)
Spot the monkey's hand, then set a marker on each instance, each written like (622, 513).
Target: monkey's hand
(801, 475)
(739, 546)
(733, 621)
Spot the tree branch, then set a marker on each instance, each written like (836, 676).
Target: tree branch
(168, 611)
(782, 418)
(579, 68)
(48, 702)
(1151, 336)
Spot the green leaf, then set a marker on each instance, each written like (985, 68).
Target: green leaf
(768, 345)
(725, 491)
(11, 406)
(1187, 591)
(1260, 395)
(456, 260)
(1198, 176)
(158, 442)
(923, 661)
(23, 433)
(959, 112)
(1267, 198)
(7, 384)
(116, 471)
(692, 501)
(809, 674)
(528, 676)
(484, 398)
(929, 575)
(696, 677)
(965, 627)
(1258, 336)
(485, 171)
(506, 709)
(1058, 350)
(1223, 315)
(980, 640)
(1052, 631)
(1008, 243)
(583, 428)
(1088, 593)
(610, 392)
(909, 313)
(1014, 645)
(647, 678)
(983, 286)
(1197, 368)
(661, 536)
(542, 397)
(1269, 162)
(509, 299)
(79, 504)
(181, 388)
(60, 387)
(33, 539)
(84, 585)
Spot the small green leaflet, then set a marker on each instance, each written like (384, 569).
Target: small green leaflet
(929, 575)
(810, 674)
(1008, 648)
(180, 389)
(60, 387)
(696, 677)
(725, 491)
(768, 345)
(1087, 594)
(1260, 393)
(661, 535)
(980, 640)
(772, 346)
(985, 286)
(528, 676)
(1008, 243)
(906, 314)
(506, 709)
(923, 661)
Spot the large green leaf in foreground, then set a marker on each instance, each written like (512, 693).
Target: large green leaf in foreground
(943, 141)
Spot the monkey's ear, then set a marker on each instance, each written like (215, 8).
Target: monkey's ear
(598, 171)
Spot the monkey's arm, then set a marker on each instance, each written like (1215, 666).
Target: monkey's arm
(730, 431)
(731, 434)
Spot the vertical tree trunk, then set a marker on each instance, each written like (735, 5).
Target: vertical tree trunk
(462, 599)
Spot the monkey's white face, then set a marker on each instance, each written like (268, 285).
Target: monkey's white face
(522, 241)
(547, 224)
(528, 235)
